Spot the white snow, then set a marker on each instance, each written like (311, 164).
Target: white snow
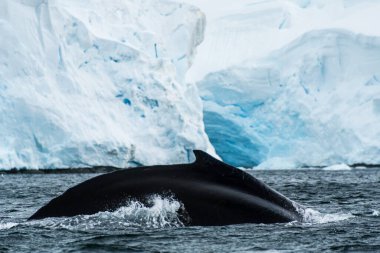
(90, 82)
(240, 30)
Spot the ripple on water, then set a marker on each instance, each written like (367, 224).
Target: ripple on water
(342, 214)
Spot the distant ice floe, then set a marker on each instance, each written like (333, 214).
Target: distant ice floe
(336, 167)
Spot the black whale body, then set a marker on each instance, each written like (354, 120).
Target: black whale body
(211, 192)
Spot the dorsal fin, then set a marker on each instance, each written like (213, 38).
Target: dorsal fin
(208, 162)
(203, 157)
(212, 165)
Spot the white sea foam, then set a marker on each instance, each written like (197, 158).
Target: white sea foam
(375, 213)
(160, 212)
(7, 225)
(312, 216)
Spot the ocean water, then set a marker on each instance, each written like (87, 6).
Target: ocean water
(342, 216)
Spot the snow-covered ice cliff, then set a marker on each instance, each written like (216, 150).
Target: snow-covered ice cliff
(93, 82)
(315, 102)
(290, 83)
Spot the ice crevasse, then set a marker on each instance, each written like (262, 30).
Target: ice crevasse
(85, 83)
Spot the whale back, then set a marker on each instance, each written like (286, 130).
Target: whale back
(212, 193)
(238, 178)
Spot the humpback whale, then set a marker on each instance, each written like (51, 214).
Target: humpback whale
(210, 192)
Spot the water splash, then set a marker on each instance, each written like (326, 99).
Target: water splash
(7, 225)
(159, 212)
(311, 216)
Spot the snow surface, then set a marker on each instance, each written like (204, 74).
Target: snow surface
(290, 83)
(86, 83)
(241, 30)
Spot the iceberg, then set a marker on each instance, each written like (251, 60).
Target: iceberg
(314, 102)
(290, 83)
(277, 83)
(85, 83)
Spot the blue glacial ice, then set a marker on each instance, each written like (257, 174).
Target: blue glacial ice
(314, 102)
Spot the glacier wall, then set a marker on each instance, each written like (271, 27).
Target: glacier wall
(314, 102)
(290, 83)
(86, 83)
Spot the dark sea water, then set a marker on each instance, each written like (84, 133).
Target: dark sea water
(343, 217)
